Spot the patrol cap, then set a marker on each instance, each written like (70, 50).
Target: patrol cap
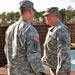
(26, 4)
(51, 11)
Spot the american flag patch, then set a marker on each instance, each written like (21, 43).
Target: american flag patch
(36, 39)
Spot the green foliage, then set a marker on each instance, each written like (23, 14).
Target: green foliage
(63, 14)
(11, 17)
(66, 15)
(39, 18)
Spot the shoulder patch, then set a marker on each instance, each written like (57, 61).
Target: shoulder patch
(35, 38)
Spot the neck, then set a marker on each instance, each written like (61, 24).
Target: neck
(26, 18)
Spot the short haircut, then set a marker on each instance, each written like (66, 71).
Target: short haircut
(23, 9)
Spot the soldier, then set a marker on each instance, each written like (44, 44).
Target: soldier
(57, 44)
(22, 48)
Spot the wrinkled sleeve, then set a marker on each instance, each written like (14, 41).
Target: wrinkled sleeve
(63, 47)
(34, 51)
(7, 34)
(5, 47)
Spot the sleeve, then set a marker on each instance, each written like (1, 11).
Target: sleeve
(5, 49)
(34, 51)
(63, 47)
(6, 40)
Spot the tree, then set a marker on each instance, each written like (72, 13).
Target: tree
(12, 17)
(17, 16)
(62, 14)
(3, 18)
(38, 17)
(69, 7)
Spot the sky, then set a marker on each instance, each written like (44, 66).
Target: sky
(39, 5)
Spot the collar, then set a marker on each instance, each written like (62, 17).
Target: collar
(55, 25)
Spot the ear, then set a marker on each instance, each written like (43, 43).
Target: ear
(30, 11)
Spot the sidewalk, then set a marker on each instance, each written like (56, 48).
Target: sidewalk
(3, 71)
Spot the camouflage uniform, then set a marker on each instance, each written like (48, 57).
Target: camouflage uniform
(22, 49)
(57, 49)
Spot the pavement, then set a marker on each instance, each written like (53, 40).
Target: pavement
(3, 71)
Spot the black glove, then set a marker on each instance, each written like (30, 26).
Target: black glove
(41, 73)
